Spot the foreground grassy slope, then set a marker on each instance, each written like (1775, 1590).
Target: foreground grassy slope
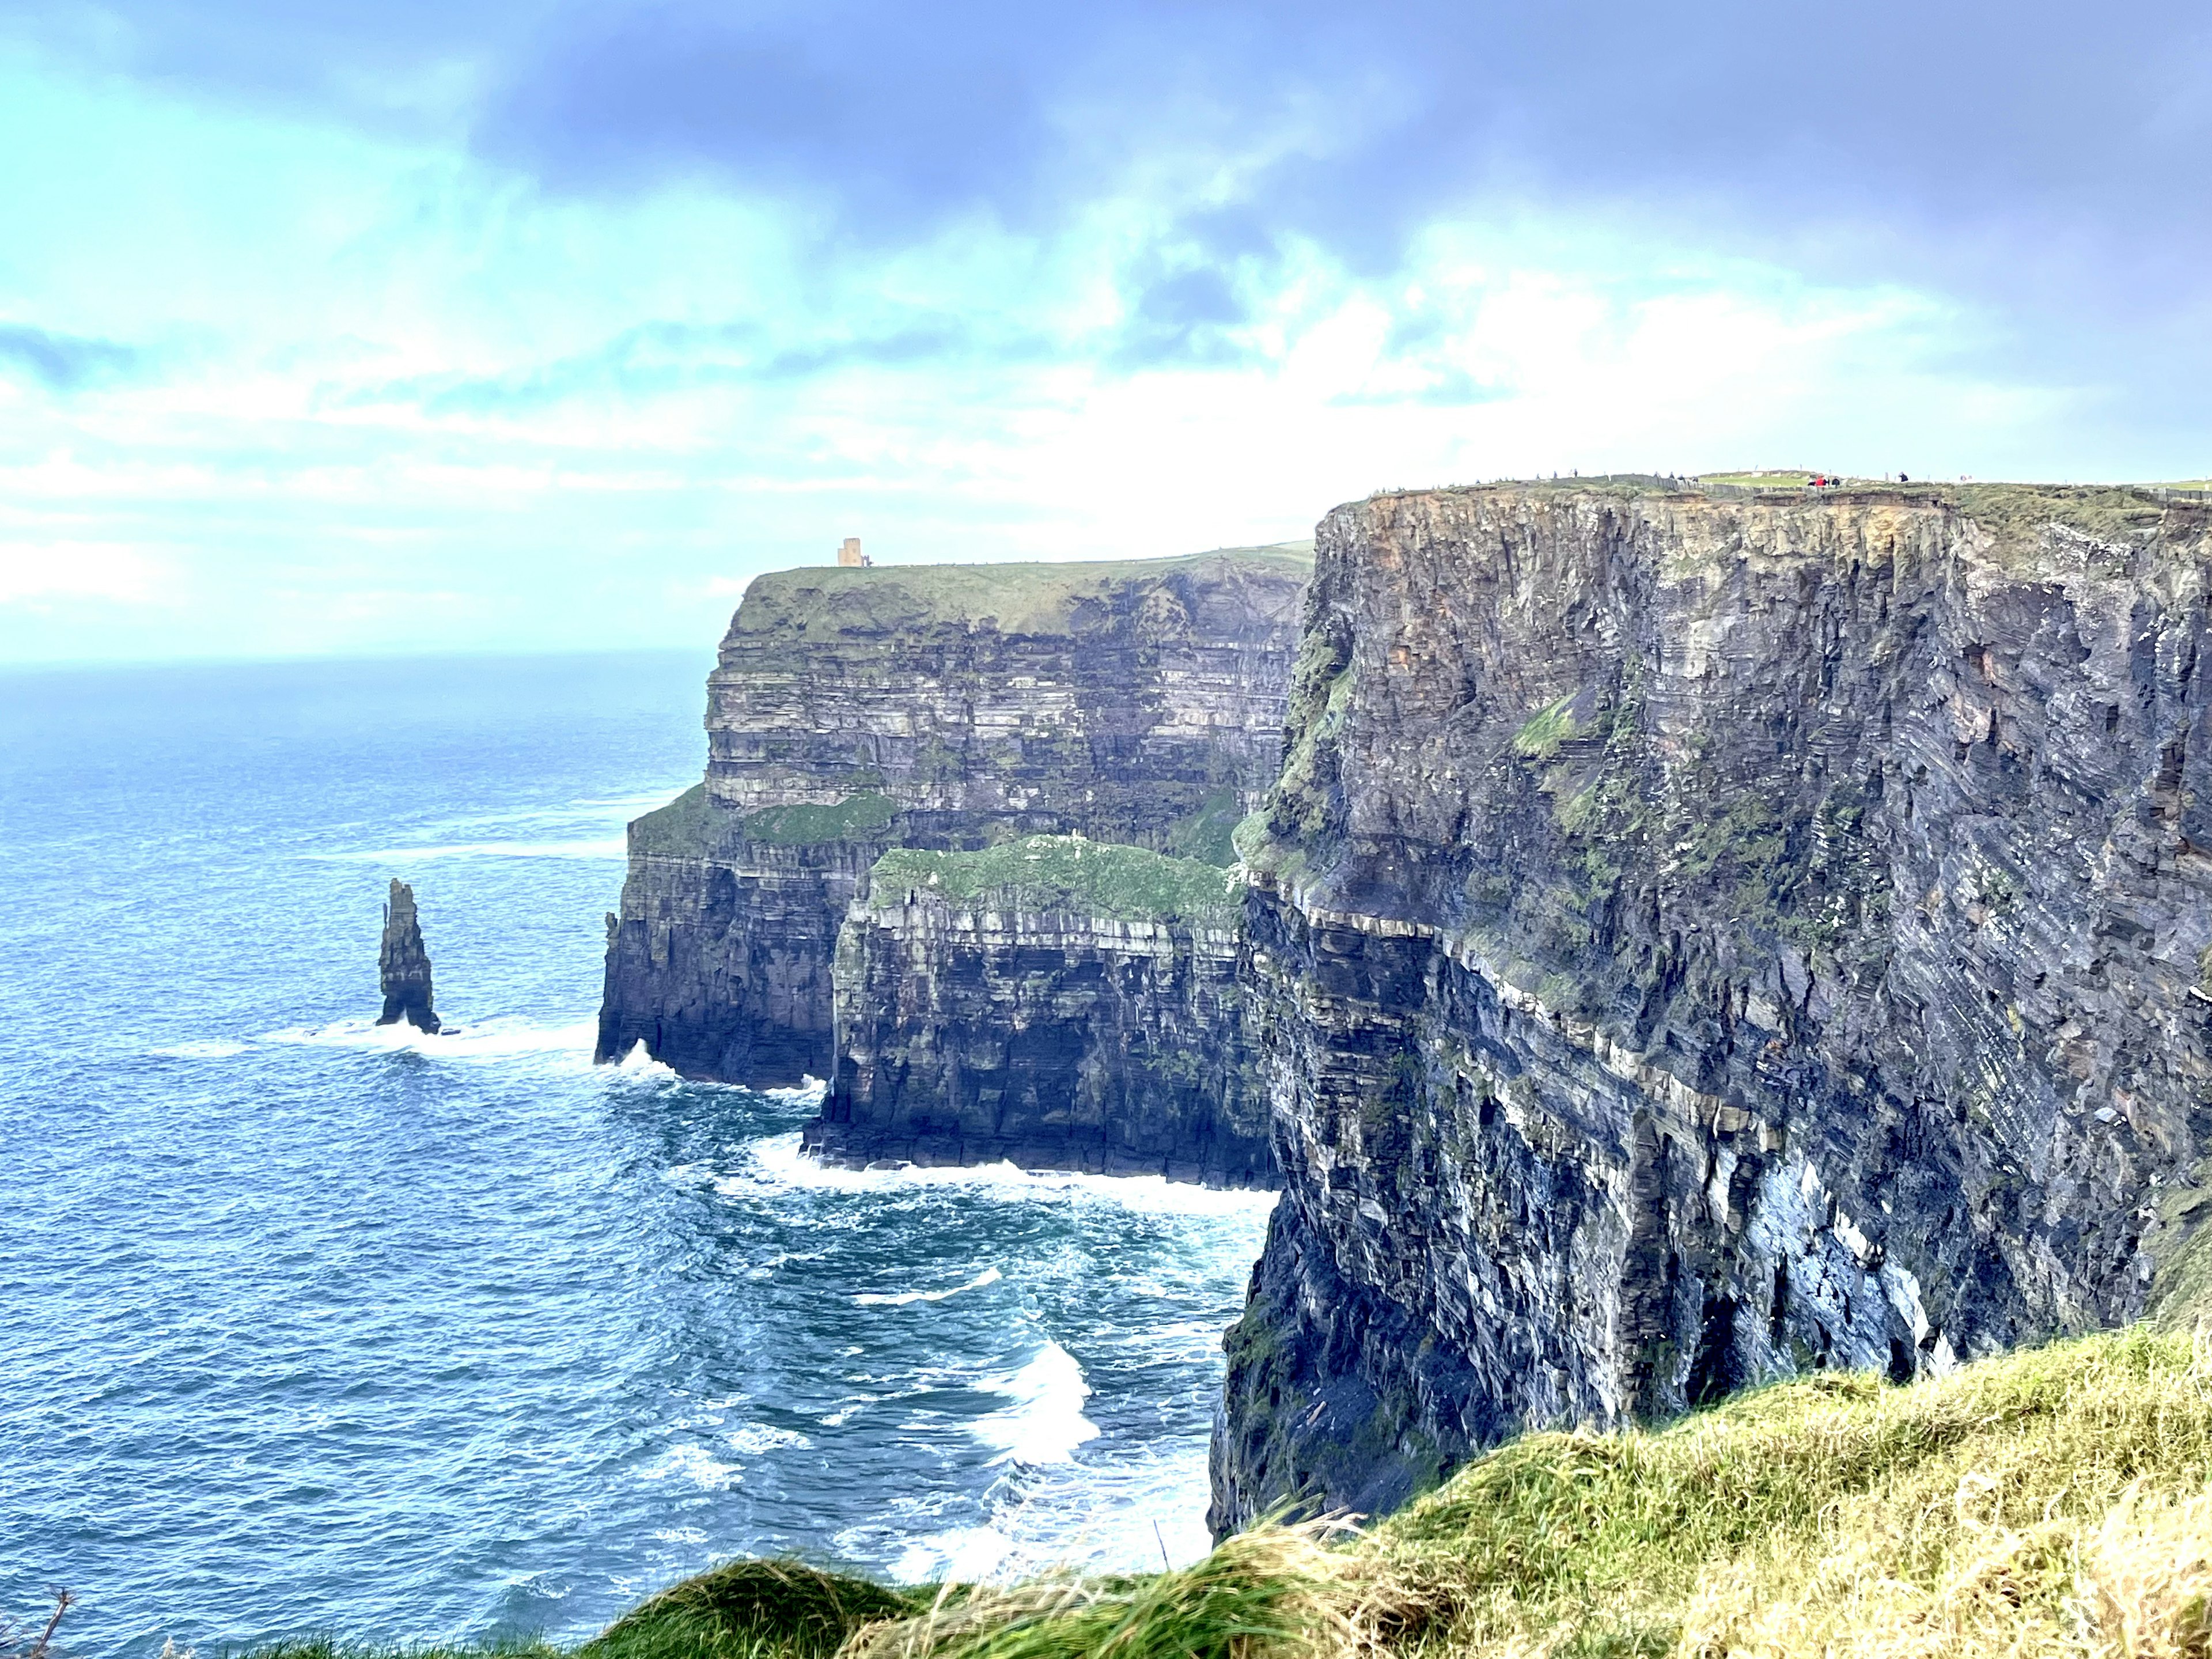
(2049, 1503)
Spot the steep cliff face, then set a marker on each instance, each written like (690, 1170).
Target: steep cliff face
(402, 964)
(948, 707)
(1064, 1004)
(1695, 941)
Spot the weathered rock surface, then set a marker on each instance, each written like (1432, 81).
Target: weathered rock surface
(943, 707)
(403, 965)
(1059, 1003)
(1696, 941)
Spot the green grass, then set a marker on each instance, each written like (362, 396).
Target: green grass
(2051, 1502)
(1543, 731)
(753, 1610)
(855, 817)
(1784, 478)
(1064, 874)
(689, 826)
(1208, 835)
(831, 602)
(740, 1610)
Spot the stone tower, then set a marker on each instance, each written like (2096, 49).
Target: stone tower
(850, 553)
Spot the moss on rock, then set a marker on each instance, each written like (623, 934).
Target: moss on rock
(1066, 873)
(855, 817)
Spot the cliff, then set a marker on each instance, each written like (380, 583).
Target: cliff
(1064, 1004)
(402, 964)
(856, 710)
(1698, 941)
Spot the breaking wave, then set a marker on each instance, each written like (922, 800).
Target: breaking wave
(779, 1160)
(501, 1037)
(1045, 1424)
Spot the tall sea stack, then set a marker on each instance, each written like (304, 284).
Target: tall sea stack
(403, 966)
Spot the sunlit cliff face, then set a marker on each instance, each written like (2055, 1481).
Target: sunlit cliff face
(322, 331)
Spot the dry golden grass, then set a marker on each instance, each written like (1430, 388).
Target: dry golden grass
(2053, 1502)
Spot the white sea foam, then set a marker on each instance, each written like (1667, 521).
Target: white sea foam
(904, 1298)
(961, 1555)
(502, 1037)
(780, 1161)
(809, 1091)
(639, 1064)
(209, 1048)
(1045, 1422)
(756, 1437)
(695, 1464)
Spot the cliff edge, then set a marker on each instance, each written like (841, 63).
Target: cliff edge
(1696, 941)
(938, 708)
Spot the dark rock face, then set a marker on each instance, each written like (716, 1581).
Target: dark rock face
(1698, 941)
(856, 710)
(403, 965)
(1021, 1026)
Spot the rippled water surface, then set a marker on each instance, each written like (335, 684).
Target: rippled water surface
(309, 1326)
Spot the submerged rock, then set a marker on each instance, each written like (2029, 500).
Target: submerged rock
(403, 965)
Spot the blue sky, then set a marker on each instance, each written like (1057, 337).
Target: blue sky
(366, 328)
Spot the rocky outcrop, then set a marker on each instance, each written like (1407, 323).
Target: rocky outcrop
(1059, 1003)
(403, 965)
(1696, 941)
(855, 710)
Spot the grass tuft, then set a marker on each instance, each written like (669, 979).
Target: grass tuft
(1274, 1590)
(751, 1610)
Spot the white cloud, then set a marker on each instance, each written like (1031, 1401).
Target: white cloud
(35, 574)
(403, 400)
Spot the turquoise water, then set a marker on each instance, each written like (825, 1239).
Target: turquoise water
(306, 1326)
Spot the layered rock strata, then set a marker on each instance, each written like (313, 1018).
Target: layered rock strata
(1059, 1003)
(402, 964)
(1698, 941)
(855, 710)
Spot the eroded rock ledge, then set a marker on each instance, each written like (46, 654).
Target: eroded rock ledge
(1696, 941)
(1061, 1003)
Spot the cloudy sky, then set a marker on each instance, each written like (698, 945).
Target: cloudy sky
(375, 326)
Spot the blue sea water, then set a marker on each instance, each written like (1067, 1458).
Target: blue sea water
(309, 1326)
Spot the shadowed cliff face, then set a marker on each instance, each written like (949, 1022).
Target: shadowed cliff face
(1025, 1013)
(1696, 941)
(853, 711)
(402, 964)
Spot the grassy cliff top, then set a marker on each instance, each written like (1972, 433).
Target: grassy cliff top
(1064, 874)
(2053, 1502)
(2011, 514)
(827, 601)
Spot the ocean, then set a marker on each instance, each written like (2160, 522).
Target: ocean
(311, 1327)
